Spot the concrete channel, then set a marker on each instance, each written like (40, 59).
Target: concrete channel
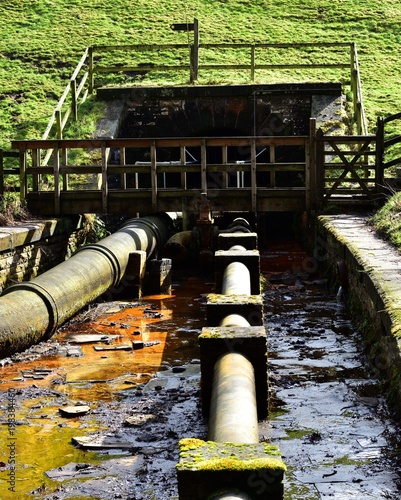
(327, 414)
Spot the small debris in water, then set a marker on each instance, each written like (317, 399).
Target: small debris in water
(74, 411)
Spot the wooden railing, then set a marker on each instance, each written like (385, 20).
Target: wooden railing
(135, 60)
(202, 165)
(75, 93)
(389, 146)
(346, 167)
(9, 166)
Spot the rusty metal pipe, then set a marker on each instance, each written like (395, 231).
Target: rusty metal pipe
(233, 414)
(31, 311)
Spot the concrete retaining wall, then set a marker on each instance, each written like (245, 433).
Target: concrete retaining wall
(370, 275)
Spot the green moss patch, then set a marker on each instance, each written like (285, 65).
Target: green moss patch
(196, 454)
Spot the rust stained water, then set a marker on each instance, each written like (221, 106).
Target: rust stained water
(326, 414)
(42, 435)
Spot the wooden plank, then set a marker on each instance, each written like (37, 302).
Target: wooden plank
(253, 177)
(203, 167)
(153, 174)
(56, 168)
(105, 154)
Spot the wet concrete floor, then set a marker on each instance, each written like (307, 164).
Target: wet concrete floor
(327, 414)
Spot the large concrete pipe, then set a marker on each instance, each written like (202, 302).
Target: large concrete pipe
(236, 280)
(31, 311)
(233, 414)
(232, 496)
(234, 320)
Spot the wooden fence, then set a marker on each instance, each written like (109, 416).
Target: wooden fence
(195, 58)
(129, 177)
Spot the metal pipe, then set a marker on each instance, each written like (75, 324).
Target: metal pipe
(31, 311)
(233, 414)
(236, 280)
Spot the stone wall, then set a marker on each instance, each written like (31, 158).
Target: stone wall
(31, 248)
(366, 268)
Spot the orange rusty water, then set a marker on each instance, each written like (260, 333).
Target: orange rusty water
(44, 436)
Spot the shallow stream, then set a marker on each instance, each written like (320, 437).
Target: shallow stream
(326, 413)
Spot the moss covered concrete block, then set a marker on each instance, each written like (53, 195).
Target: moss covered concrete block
(247, 240)
(206, 468)
(219, 306)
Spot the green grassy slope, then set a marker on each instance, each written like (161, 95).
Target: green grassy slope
(42, 40)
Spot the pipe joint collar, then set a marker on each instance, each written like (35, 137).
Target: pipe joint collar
(110, 256)
(48, 300)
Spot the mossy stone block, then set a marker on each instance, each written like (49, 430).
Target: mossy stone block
(206, 467)
(219, 306)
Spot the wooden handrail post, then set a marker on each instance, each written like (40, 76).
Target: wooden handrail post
(23, 176)
(195, 53)
(253, 177)
(59, 124)
(253, 63)
(35, 163)
(310, 167)
(183, 172)
(123, 177)
(379, 159)
(224, 155)
(56, 175)
(272, 158)
(320, 169)
(91, 73)
(74, 103)
(153, 174)
(105, 188)
(1, 172)
(203, 167)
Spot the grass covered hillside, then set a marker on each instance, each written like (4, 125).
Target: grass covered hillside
(42, 40)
